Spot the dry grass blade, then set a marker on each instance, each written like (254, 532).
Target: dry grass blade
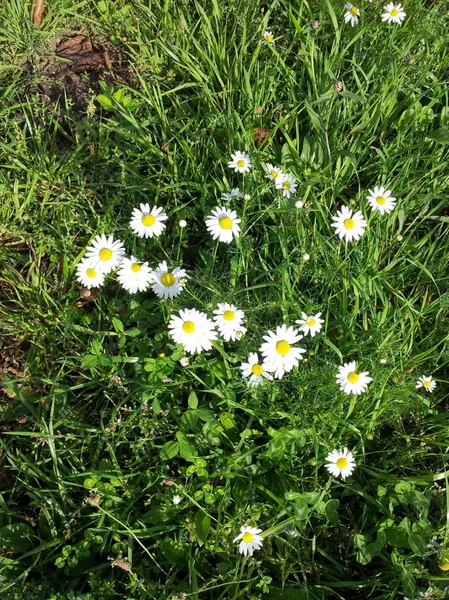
(38, 12)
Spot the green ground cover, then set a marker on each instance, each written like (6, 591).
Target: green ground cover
(101, 423)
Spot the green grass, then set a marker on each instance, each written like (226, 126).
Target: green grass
(101, 426)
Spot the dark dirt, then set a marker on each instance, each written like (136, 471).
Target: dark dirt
(74, 69)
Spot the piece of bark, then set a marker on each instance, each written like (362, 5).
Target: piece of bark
(38, 12)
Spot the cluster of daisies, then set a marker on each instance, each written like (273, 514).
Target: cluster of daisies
(393, 13)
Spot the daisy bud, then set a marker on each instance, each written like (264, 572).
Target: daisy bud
(184, 361)
(306, 256)
(176, 499)
(383, 361)
(299, 204)
(246, 197)
(182, 223)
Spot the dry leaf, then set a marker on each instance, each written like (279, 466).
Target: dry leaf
(38, 12)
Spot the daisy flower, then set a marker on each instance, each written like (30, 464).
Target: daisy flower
(381, 200)
(350, 381)
(352, 14)
(254, 370)
(340, 462)
(134, 275)
(279, 354)
(251, 540)
(240, 162)
(310, 325)
(349, 225)
(106, 253)
(88, 275)
(268, 37)
(167, 283)
(393, 13)
(228, 320)
(223, 224)
(146, 221)
(274, 172)
(193, 330)
(427, 383)
(287, 183)
(234, 193)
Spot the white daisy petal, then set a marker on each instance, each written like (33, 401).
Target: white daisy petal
(223, 224)
(251, 540)
(311, 325)
(380, 199)
(350, 381)
(352, 14)
(88, 275)
(133, 275)
(393, 13)
(254, 371)
(193, 330)
(280, 354)
(148, 222)
(240, 162)
(286, 183)
(106, 253)
(340, 463)
(228, 320)
(348, 225)
(168, 283)
(427, 383)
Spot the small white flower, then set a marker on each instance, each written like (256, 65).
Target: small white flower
(348, 225)
(268, 37)
(306, 257)
(184, 361)
(182, 223)
(280, 355)
(88, 275)
(234, 193)
(176, 499)
(310, 325)
(350, 381)
(240, 162)
(251, 540)
(352, 14)
(340, 462)
(146, 221)
(383, 361)
(274, 173)
(393, 13)
(134, 276)
(223, 224)
(228, 320)
(427, 383)
(193, 330)
(254, 369)
(381, 199)
(106, 253)
(299, 204)
(246, 197)
(286, 183)
(168, 283)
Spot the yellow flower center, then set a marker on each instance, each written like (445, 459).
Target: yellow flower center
(282, 347)
(349, 223)
(268, 38)
(241, 163)
(228, 315)
(225, 223)
(444, 565)
(353, 377)
(247, 537)
(426, 383)
(105, 254)
(167, 279)
(353, 10)
(310, 322)
(188, 327)
(394, 12)
(381, 200)
(135, 267)
(91, 273)
(148, 220)
(286, 185)
(256, 370)
(342, 463)
(274, 174)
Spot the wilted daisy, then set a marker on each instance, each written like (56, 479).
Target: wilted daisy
(134, 275)
(106, 253)
(340, 462)
(228, 319)
(381, 200)
(146, 221)
(193, 330)
(349, 225)
(268, 37)
(350, 381)
(255, 370)
(167, 283)
(352, 14)
(234, 193)
(240, 162)
(176, 499)
(274, 172)
(286, 183)
(310, 325)
(250, 540)
(279, 354)
(393, 13)
(223, 224)
(88, 275)
(427, 383)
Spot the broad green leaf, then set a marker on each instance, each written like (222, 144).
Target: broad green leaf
(193, 400)
(417, 544)
(440, 135)
(186, 449)
(16, 536)
(202, 526)
(169, 450)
